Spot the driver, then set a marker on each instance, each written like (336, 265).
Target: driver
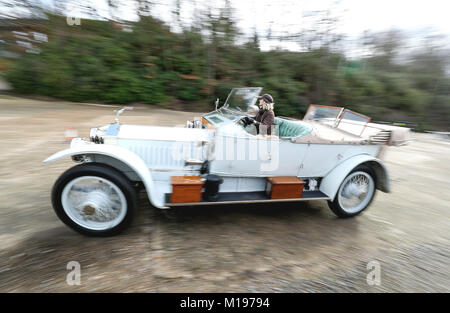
(265, 116)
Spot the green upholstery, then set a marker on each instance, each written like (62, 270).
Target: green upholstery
(291, 129)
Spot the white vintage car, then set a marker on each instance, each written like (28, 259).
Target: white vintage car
(333, 151)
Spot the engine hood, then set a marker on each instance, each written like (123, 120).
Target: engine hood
(142, 132)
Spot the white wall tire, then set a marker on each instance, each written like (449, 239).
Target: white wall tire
(355, 193)
(94, 200)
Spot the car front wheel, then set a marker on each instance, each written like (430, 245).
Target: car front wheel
(94, 199)
(355, 193)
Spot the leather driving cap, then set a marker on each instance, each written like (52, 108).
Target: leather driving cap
(267, 98)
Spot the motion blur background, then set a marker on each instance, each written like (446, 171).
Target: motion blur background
(64, 66)
(386, 59)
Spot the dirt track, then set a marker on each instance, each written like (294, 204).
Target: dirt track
(258, 248)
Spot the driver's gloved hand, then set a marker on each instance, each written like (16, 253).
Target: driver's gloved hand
(248, 120)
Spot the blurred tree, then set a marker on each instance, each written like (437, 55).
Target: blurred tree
(20, 9)
(101, 60)
(386, 47)
(144, 7)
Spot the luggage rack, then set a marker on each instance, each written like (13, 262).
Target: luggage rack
(250, 197)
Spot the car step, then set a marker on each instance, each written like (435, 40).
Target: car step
(249, 197)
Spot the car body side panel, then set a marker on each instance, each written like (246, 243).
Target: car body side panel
(256, 157)
(321, 158)
(165, 155)
(332, 181)
(81, 147)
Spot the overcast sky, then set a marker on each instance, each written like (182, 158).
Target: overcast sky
(290, 16)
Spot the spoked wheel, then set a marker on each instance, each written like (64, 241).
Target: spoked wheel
(355, 193)
(94, 199)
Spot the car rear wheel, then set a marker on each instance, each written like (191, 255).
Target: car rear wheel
(94, 199)
(355, 193)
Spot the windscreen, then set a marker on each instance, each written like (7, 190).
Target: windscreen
(316, 112)
(241, 98)
(353, 122)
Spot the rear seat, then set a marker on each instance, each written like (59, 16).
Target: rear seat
(291, 129)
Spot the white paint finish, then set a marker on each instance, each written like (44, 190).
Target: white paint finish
(79, 146)
(320, 159)
(332, 181)
(256, 157)
(239, 153)
(165, 155)
(139, 132)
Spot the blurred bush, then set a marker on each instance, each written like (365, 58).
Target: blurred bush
(99, 61)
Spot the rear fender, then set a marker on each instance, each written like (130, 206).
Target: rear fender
(332, 181)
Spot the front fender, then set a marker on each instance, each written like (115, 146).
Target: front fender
(79, 147)
(331, 182)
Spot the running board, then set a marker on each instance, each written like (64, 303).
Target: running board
(250, 197)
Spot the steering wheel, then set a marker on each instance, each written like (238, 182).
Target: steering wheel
(242, 121)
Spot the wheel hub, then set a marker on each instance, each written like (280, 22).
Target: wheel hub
(97, 202)
(353, 190)
(89, 210)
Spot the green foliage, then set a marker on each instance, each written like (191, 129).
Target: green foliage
(98, 61)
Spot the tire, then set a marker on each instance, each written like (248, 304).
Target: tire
(337, 205)
(104, 192)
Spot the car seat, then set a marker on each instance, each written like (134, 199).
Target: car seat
(291, 129)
